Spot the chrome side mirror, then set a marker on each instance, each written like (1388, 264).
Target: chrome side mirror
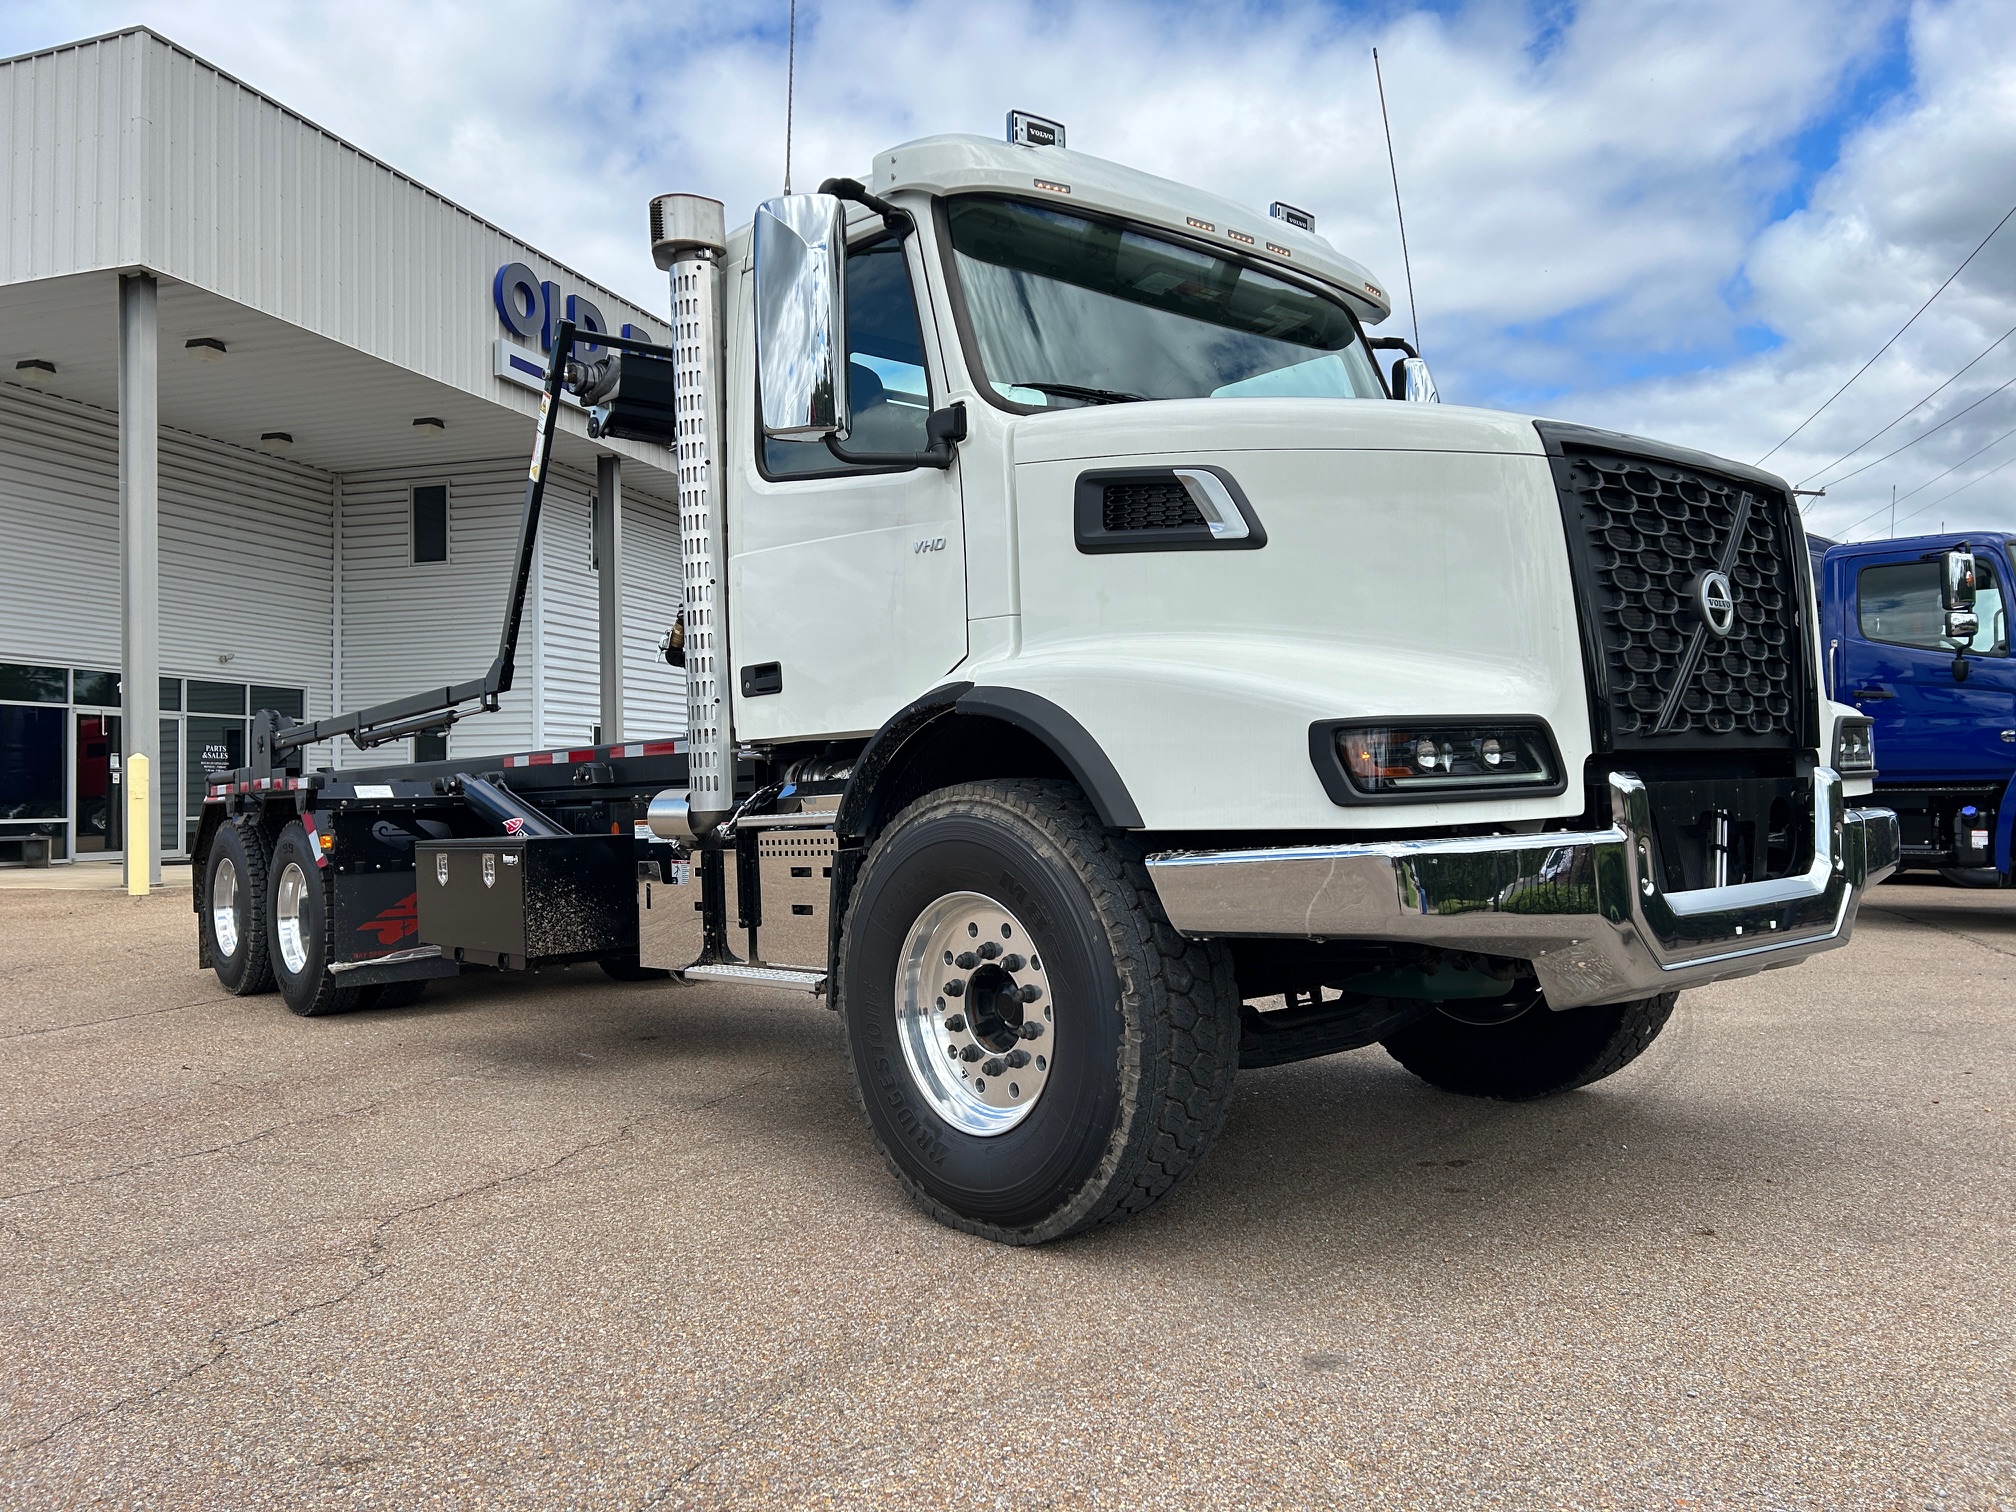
(1417, 384)
(1956, 578)
(801, 317)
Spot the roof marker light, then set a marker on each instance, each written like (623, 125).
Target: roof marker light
(1053, 188)
(1197, 225)
(1026, 130)
(1240, 237)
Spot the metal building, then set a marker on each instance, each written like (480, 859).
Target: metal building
(265, 409)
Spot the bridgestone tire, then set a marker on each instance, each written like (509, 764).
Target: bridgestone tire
(1145, 1040)
(1537, 1054)
(309, 989)
(245, 970)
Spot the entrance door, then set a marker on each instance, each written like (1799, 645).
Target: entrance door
(101, 799)
(1930, 726)
(847, 584)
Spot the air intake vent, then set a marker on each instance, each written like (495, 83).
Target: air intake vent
(1683, 667)
(1147, 506)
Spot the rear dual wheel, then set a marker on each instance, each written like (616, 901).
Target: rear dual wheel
(234, 909)
(299, 928)
(1036, 1050)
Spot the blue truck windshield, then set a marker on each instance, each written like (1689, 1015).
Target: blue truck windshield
(1067, 311)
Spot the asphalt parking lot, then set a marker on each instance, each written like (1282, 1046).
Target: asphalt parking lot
(556, 1242)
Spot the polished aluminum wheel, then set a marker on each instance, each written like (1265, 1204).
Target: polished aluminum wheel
(224, 907)
(290, 908)
(973, 1013)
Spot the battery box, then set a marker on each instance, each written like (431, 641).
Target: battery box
(516, 902)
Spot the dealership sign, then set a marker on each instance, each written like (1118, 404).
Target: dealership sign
(530, 309)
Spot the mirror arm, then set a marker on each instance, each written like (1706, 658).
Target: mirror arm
(898, 223)
(944, 430)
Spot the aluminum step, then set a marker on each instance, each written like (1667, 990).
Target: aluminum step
(789, 978)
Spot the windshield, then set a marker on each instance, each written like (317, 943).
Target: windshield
(1069, 311)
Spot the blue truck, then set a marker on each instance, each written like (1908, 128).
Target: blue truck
(1941, 693)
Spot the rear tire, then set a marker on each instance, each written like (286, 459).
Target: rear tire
(234, 909)
(299, 930)
(1537, 1054)
(1127, 1033)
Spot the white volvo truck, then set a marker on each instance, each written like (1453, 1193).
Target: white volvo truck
(1097, 685)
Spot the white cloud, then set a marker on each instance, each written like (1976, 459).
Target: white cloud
(1588, 189)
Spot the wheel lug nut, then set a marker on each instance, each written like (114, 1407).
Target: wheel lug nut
(1017, 1058)
(956, 1023)
(966, 960)
(995, 1066)
(955, 988)
(971, 1053)
(1029, 992)
(1031, 1030)
(989, 949)
(1012, 962)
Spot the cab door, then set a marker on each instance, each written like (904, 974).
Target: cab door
(1930, 726)
(847, 584)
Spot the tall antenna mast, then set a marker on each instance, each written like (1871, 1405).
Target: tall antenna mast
(1413, 310)
(791, 90)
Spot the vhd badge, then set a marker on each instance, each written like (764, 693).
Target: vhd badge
(489, 869)
(1715, 598)
(441, 867)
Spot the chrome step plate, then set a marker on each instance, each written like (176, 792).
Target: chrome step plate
(789, 978)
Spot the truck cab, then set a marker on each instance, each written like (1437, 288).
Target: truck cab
(1943, 708)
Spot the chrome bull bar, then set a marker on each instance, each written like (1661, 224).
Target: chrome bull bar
(1586, 908)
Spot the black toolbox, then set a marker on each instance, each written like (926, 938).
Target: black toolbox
(516, 901)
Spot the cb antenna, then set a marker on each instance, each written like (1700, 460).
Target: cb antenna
(791, 90)
(1413, 310)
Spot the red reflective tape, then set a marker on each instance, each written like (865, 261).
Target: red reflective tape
(516, 761)
(582, 756)
(539, 758)
(659, 748)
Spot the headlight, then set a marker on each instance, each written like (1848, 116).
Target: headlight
(1392, 761)
(1854, 746)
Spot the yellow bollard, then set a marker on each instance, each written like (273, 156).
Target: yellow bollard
(139, 834)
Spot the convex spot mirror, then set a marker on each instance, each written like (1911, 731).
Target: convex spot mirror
(801, 316)
(1956, 597)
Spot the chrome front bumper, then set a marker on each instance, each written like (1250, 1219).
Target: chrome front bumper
(1586, 908)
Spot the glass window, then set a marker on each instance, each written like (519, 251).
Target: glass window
(34, 684)
(1900, 604)
(430, 747)
(171, 693)
(288, 701)
(886, 384)
(216, 697)
(31, 763)
(430, 523)
(169, 786)
(215, 746)
(100, 689)
(1069, 311)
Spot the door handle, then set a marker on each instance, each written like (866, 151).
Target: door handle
(1872, 693)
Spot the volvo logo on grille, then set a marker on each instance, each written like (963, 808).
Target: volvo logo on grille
(1716, 600)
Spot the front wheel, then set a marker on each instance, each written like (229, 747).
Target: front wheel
(1035, 1048)
(1525, 1049)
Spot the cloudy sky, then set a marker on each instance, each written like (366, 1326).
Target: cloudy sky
(1690, 220)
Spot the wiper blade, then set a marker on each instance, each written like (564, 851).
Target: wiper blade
(1079, 391)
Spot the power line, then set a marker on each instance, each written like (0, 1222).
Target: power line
(1914, 408)
(1936, 477)
(1922, 435)
(1893, 340)
(1961, 489)
(1413, 310)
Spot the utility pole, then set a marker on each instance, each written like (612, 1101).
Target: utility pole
(1893, 511)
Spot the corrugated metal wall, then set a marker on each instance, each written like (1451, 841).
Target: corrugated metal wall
(268, 609)
(131, 151)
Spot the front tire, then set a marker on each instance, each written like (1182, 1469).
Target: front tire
(234, 909)
(299, 926)
(1536, 1053)
(1036, 1050)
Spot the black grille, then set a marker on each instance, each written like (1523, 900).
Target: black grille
(1147, 506)
(1643, 532)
